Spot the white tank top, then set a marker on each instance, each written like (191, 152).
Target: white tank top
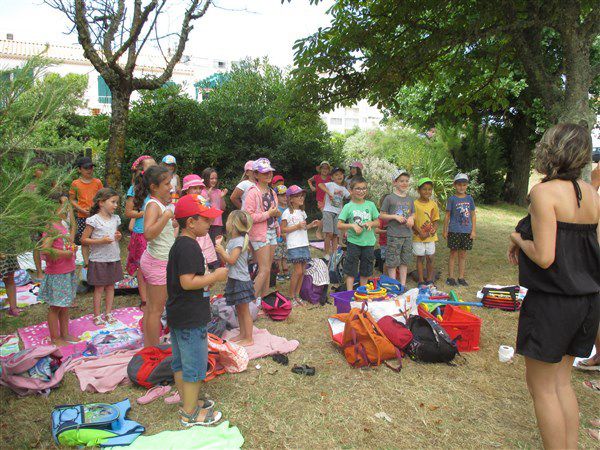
(160, 246)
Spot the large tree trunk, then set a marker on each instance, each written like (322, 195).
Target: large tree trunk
(516, 185)
(115, 150)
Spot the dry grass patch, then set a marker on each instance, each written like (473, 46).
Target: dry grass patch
(478, 403)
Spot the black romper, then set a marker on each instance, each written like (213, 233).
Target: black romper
(561, 311)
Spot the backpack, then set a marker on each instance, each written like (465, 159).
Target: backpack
(151, 366)
(30, 371)
(94, 424)
(230, 356)
(312, 293)
(396, 332)
(276, 306)
(219, 308)
(106, 342)
(363, 342)
(431, 343)
(336, 267)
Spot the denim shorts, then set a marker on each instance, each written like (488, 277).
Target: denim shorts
(270, 240)
(190, 353)
(298, 255)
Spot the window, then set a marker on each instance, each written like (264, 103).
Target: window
(221, 64)
(335, 121)
(104, 95)
(352, 111)
(351, 123)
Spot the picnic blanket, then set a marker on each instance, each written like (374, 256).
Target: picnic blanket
(265, 343)
(26, 296)
(102, 373)
(83, 328)
(9, 344)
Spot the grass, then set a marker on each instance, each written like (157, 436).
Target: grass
(478, 403)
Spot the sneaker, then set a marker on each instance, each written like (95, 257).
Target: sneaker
(450, 281)
(287, 276)
(280, 277)
(462, 282)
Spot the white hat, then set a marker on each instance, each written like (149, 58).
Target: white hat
(399, 172)
(461, 177)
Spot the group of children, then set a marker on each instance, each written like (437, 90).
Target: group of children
(177, 251)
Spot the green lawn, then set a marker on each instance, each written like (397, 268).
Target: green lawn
(478, 403)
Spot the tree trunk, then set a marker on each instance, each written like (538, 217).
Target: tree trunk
(516, 185)
(115, 150)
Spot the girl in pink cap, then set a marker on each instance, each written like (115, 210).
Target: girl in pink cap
(238, 196)
(215, 195)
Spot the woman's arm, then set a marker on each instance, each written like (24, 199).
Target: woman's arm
(236, 198)
(542, 250)
(130, 211)
(155, 221)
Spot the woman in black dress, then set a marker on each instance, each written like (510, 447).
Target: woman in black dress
(556, 248)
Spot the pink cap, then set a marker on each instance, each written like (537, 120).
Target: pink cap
(192, 180)
(248, 165)
(357, 164)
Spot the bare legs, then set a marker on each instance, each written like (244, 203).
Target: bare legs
(421, 272)
(141, 286)
(58, 326)
(296, 279)
(157, 298)
(246, 325)
(554, 401)
(461, 255)
(11, 290)
(189, 394)
(264, 258)
(37, 260)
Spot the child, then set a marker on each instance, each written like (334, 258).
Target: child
(39, 167)
(188, 311)
(170, 163)
(59, 286)
(293, 224)
(261, 204)
(215, 196)
(277, 180)
(398, 209)
(154, 196)
(427, 215)
(8, 266)
(82, 194)
(381, 231)
(459, 228)
(193, 184)
(335, 192)
(356, 169)
(358, 217)
(239, 290)
(238, 196)
(102, 235)
(314, 182)
(280, 250)
(137, 241)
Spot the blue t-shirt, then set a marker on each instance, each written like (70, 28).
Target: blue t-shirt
(460, 214)
(138, 225)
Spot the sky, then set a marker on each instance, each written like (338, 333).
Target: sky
(231, 31)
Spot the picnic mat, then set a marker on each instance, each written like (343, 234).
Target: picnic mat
(318, 244)
(9, 344)
(26, 296)
(265, 343)
(83, 328)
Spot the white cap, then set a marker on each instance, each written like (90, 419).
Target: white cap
(461, 177)
(399, 172)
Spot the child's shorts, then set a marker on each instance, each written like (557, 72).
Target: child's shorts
(80, 229)
(460, 241)
(190, 353)
(238, 292)
(330, 223)
(153, 269)
(552, 326)
(399, 251)
(424, 248)
(298, 255)
(271, 239)
(58, 289)
(361, 258)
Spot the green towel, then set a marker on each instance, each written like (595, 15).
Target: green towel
(197, 437)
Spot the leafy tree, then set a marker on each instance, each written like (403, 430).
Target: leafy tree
(113, 36)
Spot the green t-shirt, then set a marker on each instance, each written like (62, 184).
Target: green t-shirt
(360, 213)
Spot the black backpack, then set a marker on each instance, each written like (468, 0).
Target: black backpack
(430, 343)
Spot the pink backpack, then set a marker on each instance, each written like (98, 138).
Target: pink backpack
(276, 306)
(15, 368)
(232, 357)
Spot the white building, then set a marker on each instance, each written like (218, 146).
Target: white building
(70, 59)
(361, 115)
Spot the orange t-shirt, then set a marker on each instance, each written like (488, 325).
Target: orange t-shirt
(84, 193)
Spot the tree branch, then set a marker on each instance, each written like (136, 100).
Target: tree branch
(109, 36)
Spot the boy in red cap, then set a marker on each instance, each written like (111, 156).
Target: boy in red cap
(188, 312)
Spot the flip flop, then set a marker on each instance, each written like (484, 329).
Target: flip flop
(281, 359)
(304, 370)
(592, 385)
(153, 394)
(587, 364)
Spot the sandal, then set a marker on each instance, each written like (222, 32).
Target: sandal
(593, 385)
(110, 319)
(592, 364)
(98, 321)
(304, 370)
(190, 420)
(153, 394)
(175, 398)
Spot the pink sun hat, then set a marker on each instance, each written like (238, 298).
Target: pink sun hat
(191, 181)
(248, 165)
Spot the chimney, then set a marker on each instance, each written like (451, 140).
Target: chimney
(9, 36)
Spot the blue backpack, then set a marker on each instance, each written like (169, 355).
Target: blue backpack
(94, 424)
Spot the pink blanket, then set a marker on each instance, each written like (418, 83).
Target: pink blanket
(265, 343)
(83, 328)
(102, 373)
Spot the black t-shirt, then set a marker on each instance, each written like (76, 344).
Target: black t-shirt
(185, 309)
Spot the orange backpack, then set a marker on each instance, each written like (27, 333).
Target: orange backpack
(363, 342)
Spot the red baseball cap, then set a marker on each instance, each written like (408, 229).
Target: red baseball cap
(277, 178)
(195, 205)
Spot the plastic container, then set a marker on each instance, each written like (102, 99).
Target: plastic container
(341, 300)
(461, 323)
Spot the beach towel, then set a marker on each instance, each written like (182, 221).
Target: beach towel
(265, 343)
